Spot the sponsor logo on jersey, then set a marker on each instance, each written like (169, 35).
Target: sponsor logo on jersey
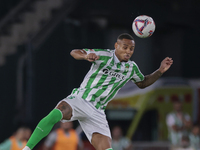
(113, 73)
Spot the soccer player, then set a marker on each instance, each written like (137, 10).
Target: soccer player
(110, 70)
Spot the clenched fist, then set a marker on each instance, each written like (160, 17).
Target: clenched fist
(91, 57)
(165, 64)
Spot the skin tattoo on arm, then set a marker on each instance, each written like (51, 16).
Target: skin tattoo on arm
(149, 79)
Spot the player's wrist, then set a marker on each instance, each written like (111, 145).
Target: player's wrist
(85, 57)
(161, 71)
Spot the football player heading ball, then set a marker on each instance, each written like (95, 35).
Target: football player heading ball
(110, 70)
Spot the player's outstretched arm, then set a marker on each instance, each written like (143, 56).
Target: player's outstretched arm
(150, 79)
(80, 54)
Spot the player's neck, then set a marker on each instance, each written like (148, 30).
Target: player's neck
(117, 59)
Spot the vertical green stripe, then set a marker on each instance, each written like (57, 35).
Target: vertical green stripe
(103, 78)
(101, 81)
(109, 67)
(98, 105)
(133, 79)
(119, 65)
(74, 90)
(115, 85)
(138, 72)
(85, 94)
(93, 76)
(114, 92)
(126, 69)
(100, 91)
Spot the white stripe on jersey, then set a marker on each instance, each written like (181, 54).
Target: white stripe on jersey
(106, 77)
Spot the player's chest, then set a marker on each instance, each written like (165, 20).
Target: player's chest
(114, 70)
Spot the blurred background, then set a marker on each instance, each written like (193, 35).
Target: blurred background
(37, 71)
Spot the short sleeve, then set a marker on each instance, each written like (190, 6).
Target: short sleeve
(87, 50)
(137, 75)
(170, 120)
(99, 52)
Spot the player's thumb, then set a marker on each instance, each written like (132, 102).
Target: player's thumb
(97, 57)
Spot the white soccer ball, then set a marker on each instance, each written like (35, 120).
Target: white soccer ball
(143, 26)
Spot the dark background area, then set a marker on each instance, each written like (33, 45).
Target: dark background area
(96, 24)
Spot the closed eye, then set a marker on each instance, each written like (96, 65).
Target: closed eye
(125, 47)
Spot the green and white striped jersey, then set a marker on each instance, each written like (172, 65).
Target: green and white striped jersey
(105, 78)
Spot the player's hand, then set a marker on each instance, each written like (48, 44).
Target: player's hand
(91, 57)
(165, 64)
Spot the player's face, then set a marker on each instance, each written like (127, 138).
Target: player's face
(124, 49)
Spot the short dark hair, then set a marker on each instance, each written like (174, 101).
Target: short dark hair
(125, 36)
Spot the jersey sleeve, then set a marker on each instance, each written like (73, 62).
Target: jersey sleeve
(137, 75)
(99, 52)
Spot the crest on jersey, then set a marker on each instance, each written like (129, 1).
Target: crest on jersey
(127, 67)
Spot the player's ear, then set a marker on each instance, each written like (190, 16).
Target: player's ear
(116, 44)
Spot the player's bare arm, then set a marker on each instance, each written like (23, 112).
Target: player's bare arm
(80, 54)
(150, 79)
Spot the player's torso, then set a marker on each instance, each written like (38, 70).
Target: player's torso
(106, 71)
(105, 78)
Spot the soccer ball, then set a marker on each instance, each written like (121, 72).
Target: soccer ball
(143, 26)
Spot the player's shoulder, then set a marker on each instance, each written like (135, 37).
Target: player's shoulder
(101, 52)
(131, 62)
(98, 50)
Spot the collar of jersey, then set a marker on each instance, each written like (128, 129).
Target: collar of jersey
(116, 60)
